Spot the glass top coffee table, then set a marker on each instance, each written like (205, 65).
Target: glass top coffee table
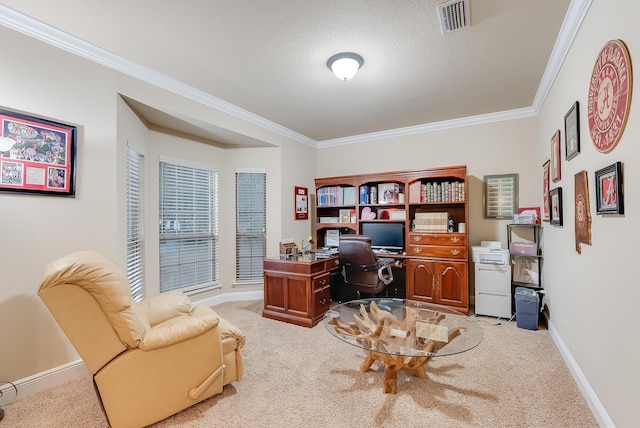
(403, 334)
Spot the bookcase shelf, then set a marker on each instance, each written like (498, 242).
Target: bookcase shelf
(436, 255)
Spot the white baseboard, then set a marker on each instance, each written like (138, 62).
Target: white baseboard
(76, 369)
(589, 394)
(50, 378)
(231, 297)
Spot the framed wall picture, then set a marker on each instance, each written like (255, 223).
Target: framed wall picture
(555, 196)
(572, 132)
(609, 197)
(556, 160)
(546, 204)
(500, 196)
(37, 156)
(582, 210)
(301, 195)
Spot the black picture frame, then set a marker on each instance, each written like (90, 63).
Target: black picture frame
(555, 197)
(37, 156)
(609, 194)
(572, 132)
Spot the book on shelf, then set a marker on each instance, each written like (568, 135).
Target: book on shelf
(431, 222)
(437, 191)
(329, 196)
(364, 194)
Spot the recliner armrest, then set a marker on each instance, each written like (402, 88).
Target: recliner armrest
(176, 330)
(165, 306)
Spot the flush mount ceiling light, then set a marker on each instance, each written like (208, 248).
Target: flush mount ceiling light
(345, 65)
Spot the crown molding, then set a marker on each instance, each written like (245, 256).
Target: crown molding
(572, 22)
(45, 33)
(431, 127)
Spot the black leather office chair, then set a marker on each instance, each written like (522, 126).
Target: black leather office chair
(361, 267)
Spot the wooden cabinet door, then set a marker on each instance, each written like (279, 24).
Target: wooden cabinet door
(452, 283)
(421, 280)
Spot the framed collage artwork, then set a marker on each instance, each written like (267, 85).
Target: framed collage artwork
(37, 156)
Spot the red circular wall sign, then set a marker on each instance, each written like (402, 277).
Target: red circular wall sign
(609, 95)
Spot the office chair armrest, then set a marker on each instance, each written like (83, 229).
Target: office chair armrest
(385, 273)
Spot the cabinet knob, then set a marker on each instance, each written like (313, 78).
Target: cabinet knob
(417, 238)
(454, 239)
(455, 252)
(336, 261)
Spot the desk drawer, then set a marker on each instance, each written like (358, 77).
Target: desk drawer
(457, 239)
(321, 281)
(332, 263)
(444, 252)
(321, 301)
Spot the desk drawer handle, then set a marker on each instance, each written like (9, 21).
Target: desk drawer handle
(455, 252)
(336, 261)
(455, 239)
(417, 238)
(323, 301)
(417, 250)
(322, 281)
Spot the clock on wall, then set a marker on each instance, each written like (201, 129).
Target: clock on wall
(609, 95)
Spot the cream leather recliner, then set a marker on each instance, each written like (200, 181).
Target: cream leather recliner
(150, 359)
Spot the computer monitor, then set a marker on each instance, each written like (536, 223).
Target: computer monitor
(384, 236)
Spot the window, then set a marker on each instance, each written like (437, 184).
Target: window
(135, 247)
(251, 221)
(188, 227)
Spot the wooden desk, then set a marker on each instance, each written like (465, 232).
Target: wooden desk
(297, 290)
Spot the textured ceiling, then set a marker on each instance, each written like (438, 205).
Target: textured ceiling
(269, 57)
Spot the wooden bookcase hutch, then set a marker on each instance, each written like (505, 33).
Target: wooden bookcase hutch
(431, 204)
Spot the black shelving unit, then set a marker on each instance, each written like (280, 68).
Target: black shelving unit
(524, 242)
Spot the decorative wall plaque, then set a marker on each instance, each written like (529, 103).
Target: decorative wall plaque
(609, 95)
(583, 212)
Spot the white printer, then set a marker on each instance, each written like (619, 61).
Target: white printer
(492, 279)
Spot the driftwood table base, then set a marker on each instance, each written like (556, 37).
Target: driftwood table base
(406, 344)
(392, 364)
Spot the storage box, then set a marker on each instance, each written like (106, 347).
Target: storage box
(524, 248)
(527, 303)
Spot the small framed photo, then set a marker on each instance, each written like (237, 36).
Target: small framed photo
(37, 156)
(546, 204)
(555, 196)
(301, 195)
(556, 160)
(572, 132)
(609, 197)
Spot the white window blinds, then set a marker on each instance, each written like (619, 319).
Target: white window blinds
(250, 225)
(135, 241)
(188, 227)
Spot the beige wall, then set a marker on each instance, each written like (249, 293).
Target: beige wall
(592, 297)
(498, 148)
(35, 230)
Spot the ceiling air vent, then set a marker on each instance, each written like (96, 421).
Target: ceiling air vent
(454, 15)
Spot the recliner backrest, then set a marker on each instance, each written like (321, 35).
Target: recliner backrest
(90, 298)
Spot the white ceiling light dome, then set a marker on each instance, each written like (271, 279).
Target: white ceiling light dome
(345, 65)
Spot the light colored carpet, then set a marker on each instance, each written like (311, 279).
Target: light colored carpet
(295, 376)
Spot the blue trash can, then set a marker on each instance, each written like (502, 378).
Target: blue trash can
(527, 304)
